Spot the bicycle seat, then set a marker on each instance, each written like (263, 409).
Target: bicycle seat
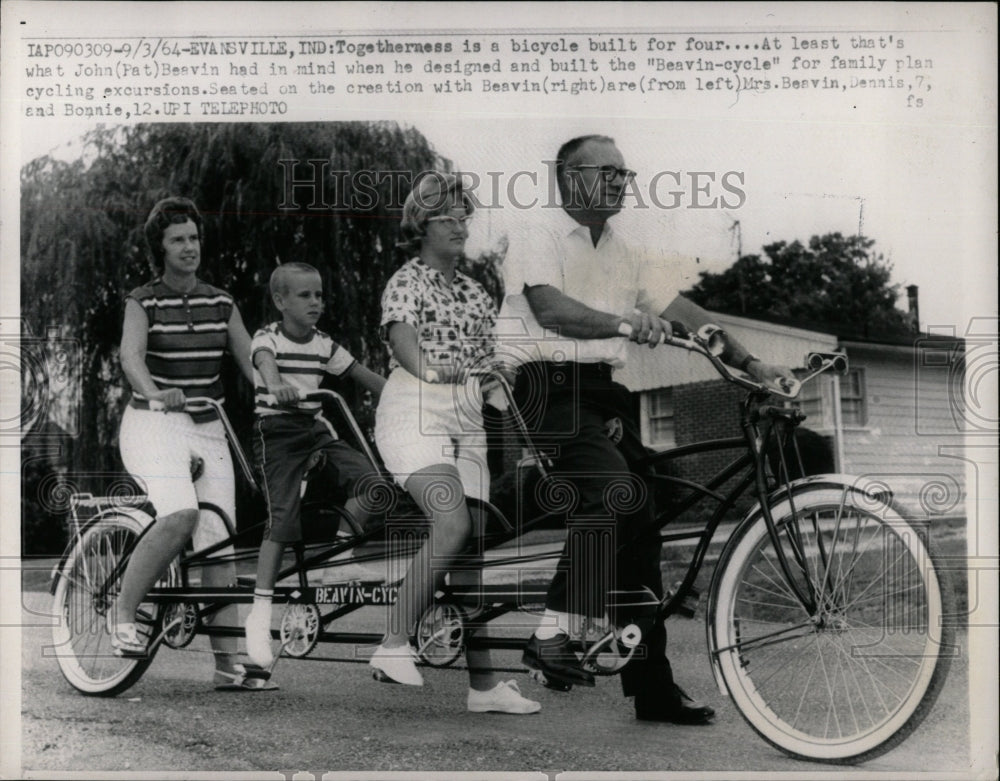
(93, 505)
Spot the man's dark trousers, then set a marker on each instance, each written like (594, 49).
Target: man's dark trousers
(567, 407)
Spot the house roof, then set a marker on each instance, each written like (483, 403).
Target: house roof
(846, 334)
(647, 369)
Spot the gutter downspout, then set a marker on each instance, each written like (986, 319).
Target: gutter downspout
(838, 427)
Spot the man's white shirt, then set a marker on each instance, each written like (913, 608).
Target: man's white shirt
(551, 248)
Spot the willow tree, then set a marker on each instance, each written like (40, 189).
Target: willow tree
(82, 250)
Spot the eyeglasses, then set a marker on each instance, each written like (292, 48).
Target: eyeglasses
(451, 222)
(608, 172)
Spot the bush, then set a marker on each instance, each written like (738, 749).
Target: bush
(816, 452)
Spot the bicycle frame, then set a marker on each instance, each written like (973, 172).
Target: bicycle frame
(345, 598)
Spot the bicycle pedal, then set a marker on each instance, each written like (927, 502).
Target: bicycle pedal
(688, 606)
(253, 671)
(539, 677)
(613, 651)
(123, 654)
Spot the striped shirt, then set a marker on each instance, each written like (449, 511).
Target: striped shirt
(302, 362)
(188, 334)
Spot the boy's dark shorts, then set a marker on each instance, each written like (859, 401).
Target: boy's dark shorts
(282, 445)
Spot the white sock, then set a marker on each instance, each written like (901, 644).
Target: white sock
(553, 623)
(262, 601)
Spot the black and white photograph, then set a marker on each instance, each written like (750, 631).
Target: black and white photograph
(498, 390)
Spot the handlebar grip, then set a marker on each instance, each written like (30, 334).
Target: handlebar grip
(190, 404)
(271, 400)
(625, 329)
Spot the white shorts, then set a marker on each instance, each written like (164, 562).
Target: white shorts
(157, 449)
(419, 425)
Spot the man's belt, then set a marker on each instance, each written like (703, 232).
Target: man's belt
(565, 372)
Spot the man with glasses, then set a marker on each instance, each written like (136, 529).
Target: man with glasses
(572, 280)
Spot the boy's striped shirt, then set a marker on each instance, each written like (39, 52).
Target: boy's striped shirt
(302, 362)
(188, 334)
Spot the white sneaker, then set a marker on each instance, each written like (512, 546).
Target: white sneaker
(125, 640)
(396, 665)
(258, 634)
(505, 697)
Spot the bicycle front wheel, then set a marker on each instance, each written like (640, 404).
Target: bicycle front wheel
(84, 593)
(849, 676)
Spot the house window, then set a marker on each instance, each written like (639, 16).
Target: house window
(853, 409)
(810, 402)
(660, 430)
(816, 401)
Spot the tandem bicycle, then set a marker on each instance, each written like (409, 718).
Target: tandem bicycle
(826, 617)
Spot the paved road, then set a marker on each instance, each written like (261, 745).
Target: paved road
(334, 717)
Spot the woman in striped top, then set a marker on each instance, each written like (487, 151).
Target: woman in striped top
(175, 332)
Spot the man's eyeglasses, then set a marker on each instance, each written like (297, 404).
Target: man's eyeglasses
(608, 172)
(451, 222)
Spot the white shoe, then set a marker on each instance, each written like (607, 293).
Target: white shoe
(125, 640)
(505, 697)
(258, 633)
(396, 665)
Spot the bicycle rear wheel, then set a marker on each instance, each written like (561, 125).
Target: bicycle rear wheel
(852, 678)
(82, 598)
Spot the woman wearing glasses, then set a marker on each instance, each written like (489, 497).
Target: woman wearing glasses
(438, 324)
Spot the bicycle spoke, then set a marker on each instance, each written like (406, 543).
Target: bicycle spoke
(875, 685)
(833, 545)
(842, 670)
(795, 719)
(769, 638)
(780, 588)
(859, 688)
(778, 652)
(857, 555)
(886, 566)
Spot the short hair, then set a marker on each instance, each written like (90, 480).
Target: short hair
(433, 194)
(278, 283)
(169, 211)
(570, 148)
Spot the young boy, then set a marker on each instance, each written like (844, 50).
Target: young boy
(288, 357)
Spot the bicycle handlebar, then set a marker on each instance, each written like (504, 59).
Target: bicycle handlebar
(710, 342)
(319, 395)
(193, 404)
(201, 403)
(303, 395)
